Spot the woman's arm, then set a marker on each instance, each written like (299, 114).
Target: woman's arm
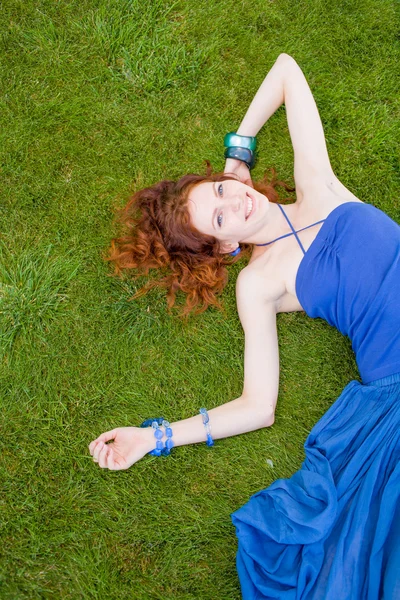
(254, 409)
(286, 84)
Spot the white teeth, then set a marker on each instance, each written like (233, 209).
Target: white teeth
(249, 207)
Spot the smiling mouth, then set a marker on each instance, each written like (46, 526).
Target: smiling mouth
(250, 203)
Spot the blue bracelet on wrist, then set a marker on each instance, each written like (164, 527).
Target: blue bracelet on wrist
(161, 449)
(206, 423)
(233, 139)
(240, 147)
(243, 154)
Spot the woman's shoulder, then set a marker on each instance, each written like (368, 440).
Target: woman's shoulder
(255, 285)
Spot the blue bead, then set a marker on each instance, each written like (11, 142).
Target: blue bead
(158, 434)
(205, 416)
(149, 422)
(156, 423)
(206, 419)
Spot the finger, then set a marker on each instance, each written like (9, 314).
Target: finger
(102, 460)
(92, 446)
(246, 178)
(116, 463)
(104, 437)
(97, 449)
(107, 436)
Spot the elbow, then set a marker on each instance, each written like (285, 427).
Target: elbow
(269, 418)
(261, 410)
(265, 415)
(285, 58)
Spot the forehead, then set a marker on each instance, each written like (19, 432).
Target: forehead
(202, 193)
(201, 204)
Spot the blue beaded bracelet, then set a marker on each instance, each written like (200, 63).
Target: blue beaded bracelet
(161, 449)
(206, 423)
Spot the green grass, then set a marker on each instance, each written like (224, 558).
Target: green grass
(31, 293)
(98, 98)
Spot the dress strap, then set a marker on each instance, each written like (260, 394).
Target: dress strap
(292, 228)
(294, 232)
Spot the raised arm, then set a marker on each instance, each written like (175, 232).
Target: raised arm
(286, 84)
(254, 409)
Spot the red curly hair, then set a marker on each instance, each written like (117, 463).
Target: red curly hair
(158, 234)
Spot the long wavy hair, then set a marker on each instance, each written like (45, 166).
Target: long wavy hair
(158, 234)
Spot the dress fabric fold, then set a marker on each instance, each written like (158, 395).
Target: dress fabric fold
(332, 531)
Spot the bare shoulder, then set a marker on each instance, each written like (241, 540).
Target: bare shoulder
(256, 291)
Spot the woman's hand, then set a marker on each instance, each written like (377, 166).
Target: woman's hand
(238, 168)
(127, 446)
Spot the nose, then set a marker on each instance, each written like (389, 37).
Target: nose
(236, 204)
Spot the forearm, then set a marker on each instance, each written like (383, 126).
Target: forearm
(123, 446)
(232, 418)
(269, 97)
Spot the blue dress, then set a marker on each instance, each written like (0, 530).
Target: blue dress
(332, 531)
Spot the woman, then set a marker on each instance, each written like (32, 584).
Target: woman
(332, 530)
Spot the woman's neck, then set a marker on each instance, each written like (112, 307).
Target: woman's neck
(275, 224)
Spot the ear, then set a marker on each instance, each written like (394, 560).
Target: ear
(227, 248)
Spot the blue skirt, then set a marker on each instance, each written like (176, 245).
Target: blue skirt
(332, 531)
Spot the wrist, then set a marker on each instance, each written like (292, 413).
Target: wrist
(240, 148)
(148, 439)
(233, 163)
(246, 132)
(161, 434)
(243, 155)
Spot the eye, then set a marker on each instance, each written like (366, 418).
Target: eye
(219, 220)
(220, 190)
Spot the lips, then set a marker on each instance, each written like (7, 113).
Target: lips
(250, 206)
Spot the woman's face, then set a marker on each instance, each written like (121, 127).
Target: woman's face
(229, 210)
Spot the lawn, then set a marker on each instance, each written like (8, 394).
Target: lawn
(98, 99)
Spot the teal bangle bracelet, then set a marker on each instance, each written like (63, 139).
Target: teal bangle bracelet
(243, 154)
(240, 141)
